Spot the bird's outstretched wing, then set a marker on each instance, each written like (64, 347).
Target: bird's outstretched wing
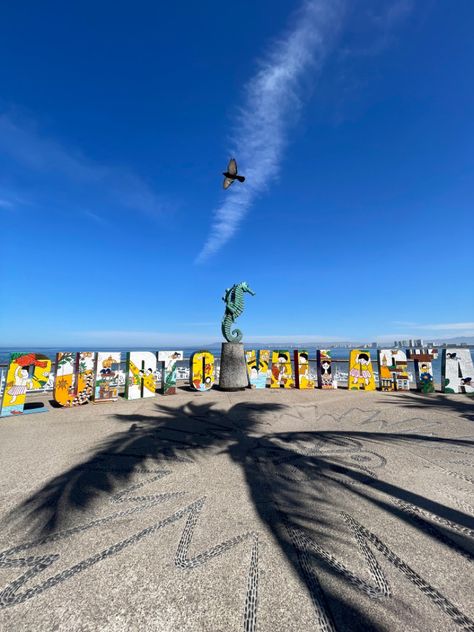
(227, 182)
(232, 168)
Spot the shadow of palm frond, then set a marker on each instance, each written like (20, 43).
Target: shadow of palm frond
(186, 432)
(460, 404)
(301, 494)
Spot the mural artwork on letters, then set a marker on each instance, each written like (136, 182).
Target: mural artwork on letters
(423, 359)
(457, 371)
(74, 378)
(141, 381)
(281, 370)
(25, 372)
(301, 360)
(202, 371)
(168, 361)
(263, 364)
(393, 370)
(252, 367)
(257, 367)
(361, 375)
(325, 379)
(107, 376)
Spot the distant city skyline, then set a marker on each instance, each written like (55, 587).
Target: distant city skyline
(292, 342)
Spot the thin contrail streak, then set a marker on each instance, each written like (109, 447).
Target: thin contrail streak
(272, 97)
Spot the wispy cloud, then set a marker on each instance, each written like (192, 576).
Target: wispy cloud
(381, 21)
(6, 204)
(96, 218)
(9, 199)
(393, 13)
(56, 166)
(273, 97)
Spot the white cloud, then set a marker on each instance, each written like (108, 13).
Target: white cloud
(9, 199)
(273, 97)
(97, 218)
(392, 14)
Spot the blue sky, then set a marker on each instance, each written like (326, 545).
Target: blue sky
(352, 122)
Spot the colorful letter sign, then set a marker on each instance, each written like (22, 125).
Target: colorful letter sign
(457, 371)
(257, 367)
(281, 370)
(361, 375)
(325, 379)
(202, 370)
(26, 371)
(301, 359)
(424, 368)
(393, 370)
(107, 377)
(140, 382)
(252, 367)
(168, 361)
(74, 378)
(263, 362)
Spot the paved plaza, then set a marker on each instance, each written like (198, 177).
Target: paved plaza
(264, 510)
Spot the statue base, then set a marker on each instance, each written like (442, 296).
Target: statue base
(233, 371)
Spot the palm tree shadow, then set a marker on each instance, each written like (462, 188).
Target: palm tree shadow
(174, 433)
(294, 492)
(462, 405)
(292, 478)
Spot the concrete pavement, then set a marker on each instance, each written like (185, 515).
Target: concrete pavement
(269, 511)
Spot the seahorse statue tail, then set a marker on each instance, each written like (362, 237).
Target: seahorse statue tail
(235, 335)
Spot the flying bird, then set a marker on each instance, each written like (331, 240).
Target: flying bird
(231, 174)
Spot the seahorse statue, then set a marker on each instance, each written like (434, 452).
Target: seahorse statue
(234, 306)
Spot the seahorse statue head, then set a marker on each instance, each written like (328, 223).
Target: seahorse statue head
(245, 288)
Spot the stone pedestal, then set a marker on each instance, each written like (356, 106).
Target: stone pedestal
(233, 372)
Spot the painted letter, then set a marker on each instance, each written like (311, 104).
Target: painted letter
(301, 359)
(168, 361)
(252, 367)
(361, 375)
(281, 370)
(423, 359)
(325, 380)
(457, 371)
(141, 381)
(74, 378)
(201, 368)
(26, 371)
(393, 370)
(257, 366)
(107, 376)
